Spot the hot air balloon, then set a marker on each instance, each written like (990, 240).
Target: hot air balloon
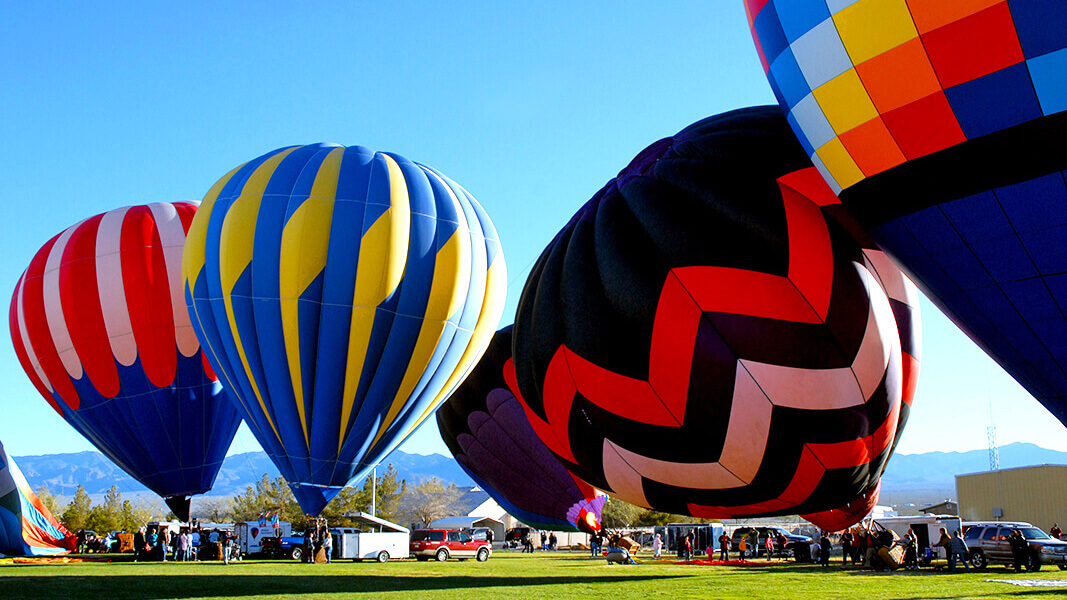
(484, 426)
(702, 338)
(941, 125)
(27, 528)
(100, 327)
(342, 294)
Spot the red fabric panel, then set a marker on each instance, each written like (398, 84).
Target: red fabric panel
(144, 278)
(978, 45)
(20, 350)
(910, 368)
(924, 126)
(186, 212)
(80, 297)
(37, 329)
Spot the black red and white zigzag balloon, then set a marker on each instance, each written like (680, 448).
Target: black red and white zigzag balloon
(704, 338)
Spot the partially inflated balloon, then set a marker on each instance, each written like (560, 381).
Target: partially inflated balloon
(485, 427)
(99, 325)
(343, 294)
(26, 526)
(703, 338)
(942, 126)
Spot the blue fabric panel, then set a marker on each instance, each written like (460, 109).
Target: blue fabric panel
(1047, 74)
(1036, 204)
(800, 16)
(786, 72)
(994, 102)
(769, 31)
(1040, 24)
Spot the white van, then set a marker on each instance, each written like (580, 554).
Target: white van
(927, 529)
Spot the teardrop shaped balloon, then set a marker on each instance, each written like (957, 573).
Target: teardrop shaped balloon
(343, 294)
(484, 426)
(942, 126)
(100, 327)
(705, 337)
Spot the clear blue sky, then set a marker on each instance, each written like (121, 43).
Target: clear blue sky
(531, 106)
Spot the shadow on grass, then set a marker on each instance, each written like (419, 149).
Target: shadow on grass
(176, 587)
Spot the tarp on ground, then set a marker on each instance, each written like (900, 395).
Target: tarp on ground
(27, 528)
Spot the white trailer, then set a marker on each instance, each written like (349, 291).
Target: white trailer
(375, 539)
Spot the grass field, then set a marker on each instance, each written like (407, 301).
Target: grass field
(504, 576)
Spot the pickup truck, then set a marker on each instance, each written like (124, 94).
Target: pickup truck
(290, 546)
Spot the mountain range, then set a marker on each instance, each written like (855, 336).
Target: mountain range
(62, 473)
(910, 478)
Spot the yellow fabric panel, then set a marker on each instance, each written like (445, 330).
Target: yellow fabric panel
(443, 291)
(304, 247)
(845, 102)
(383, 255)
(870, 27)
(840, 164)
(235, 254)
(196, 239)
(488, 319)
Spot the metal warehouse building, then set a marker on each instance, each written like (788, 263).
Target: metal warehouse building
(1037, 495)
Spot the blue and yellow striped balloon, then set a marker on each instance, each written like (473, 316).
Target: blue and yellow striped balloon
(341, 294)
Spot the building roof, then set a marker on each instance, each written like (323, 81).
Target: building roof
(463, 522)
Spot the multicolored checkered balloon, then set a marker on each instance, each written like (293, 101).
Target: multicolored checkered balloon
(942, 125)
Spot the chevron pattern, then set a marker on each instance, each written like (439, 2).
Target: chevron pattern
(765, 390)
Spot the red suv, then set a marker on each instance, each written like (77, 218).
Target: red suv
(441, 544)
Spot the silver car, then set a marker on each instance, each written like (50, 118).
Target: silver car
(988, 543)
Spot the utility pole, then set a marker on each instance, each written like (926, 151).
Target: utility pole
(373, 490)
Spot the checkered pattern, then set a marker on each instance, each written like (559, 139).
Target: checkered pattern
(870, 84)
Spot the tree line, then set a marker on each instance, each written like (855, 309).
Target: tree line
(394, 500)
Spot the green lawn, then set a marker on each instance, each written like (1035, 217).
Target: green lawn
(504, 576)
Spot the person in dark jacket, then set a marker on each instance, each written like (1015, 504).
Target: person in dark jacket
(138, 545)
(824, 550)
(846, 547)
(1020, 550)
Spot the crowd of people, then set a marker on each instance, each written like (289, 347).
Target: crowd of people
(159, 543)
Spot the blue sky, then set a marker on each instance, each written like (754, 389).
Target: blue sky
(530, 106)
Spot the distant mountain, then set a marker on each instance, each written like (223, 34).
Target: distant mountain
(917, 478)
(62, 473)
(931, 476)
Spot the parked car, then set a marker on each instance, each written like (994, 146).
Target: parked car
(988, 543)
(479, 533)
(791, 540)
(291, 546)
(442, 544)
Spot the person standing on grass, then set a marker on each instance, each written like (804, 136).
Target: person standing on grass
(594, 544)
(1019, 550)
(327, 546)
(657, 547)
(957, 549)
(227, 543)
(724, 547)
(770, 546)
(824, 558)
(753, 542)
(846, 547)
(742, 548)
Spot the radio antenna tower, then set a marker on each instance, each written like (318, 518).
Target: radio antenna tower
(991, 435)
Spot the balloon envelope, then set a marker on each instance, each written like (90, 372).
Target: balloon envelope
(343, 294)
(941, 124)
(702, 338)
(484, 426)
(99, 326)
(27, 528)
